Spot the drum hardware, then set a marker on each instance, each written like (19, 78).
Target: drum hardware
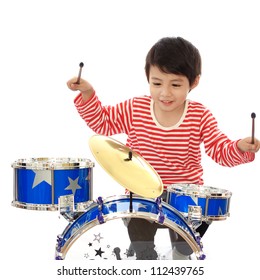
(52, 189)
(67, 207)
(58, 247)
(131, 203)
(130, 156)
(199, 242)
(195, 216)
(100, 216)
(161, 216)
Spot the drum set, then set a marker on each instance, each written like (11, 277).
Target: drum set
(66, 185)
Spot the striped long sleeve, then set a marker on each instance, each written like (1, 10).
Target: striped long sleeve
(105, 120)
(174, 152)
(222, 150)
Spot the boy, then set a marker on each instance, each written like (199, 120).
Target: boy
(166, 129)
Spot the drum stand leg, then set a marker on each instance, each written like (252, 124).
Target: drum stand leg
(130, 155)
(131, 203)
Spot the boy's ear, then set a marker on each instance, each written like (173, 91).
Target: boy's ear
(196, 82)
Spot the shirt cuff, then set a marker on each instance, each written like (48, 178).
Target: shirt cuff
(246, 156)
(78, 101)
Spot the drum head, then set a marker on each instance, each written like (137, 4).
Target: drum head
(110, 241)
(198, 190)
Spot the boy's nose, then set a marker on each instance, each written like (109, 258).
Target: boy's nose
(165, 92)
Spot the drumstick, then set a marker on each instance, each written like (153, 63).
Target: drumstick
(253, 116)
(80, 70)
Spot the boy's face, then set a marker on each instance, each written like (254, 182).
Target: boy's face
(169, 91)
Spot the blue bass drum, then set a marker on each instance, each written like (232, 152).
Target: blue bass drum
(100, 233)
(39, 182)
(214, 202)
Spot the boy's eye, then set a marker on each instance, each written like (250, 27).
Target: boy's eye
(176, 85)
(156, 84)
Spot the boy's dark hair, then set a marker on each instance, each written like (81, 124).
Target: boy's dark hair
(174, 55)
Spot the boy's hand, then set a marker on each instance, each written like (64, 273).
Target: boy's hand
(245, 145)
(84, 87)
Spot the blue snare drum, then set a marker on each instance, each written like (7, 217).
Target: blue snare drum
(214, 202)
(100, 232)
(39, 182)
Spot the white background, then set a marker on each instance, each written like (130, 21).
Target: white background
(42, 44)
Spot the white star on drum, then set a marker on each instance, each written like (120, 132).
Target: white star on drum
(195, 199)
(40, 176)
(141, 205)
(73, 186)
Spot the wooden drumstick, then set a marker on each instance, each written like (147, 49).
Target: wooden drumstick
(80, 70)
(253, 116)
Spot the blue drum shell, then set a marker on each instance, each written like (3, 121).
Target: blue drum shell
(38, 183)
(214, 206)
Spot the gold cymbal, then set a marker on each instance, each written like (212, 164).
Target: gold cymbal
(127, 167)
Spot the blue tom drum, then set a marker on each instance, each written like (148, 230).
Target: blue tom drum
(39, 182)
(214, 202)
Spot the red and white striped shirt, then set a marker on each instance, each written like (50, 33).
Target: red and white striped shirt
(174, 152)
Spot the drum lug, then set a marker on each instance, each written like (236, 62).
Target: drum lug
(100, 216)
(59, 245)
(198, 240)
(161, 216)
